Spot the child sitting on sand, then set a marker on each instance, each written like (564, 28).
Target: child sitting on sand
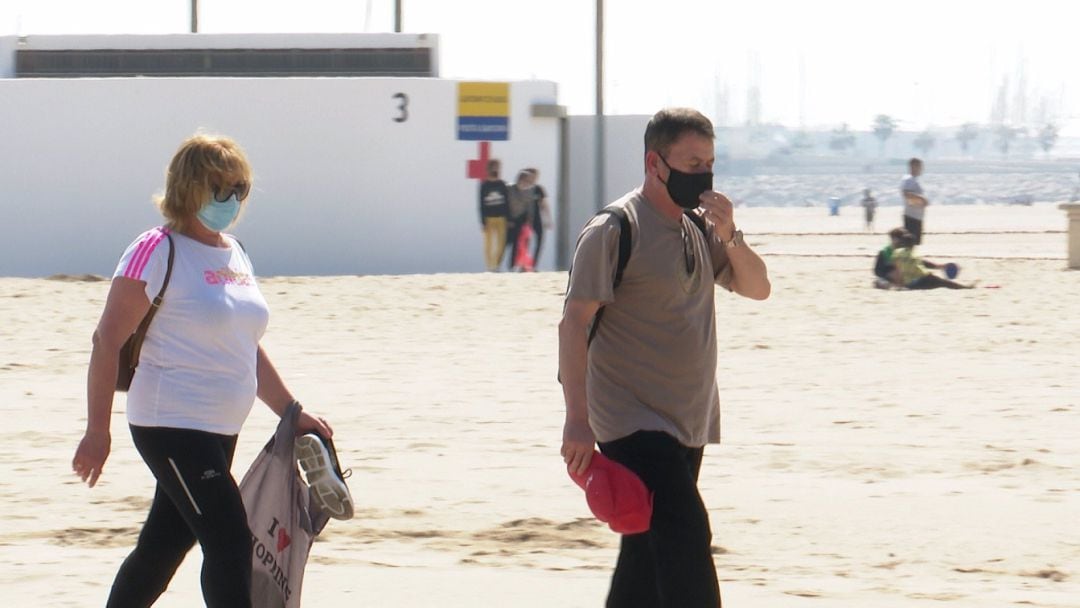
(913, 271)
(884, 269)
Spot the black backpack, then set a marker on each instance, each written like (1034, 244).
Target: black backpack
(625, 242)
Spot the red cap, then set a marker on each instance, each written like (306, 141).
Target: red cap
(616, 495)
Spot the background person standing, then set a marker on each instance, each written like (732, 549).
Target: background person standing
(494, 208)
(915, 201)
(541, 214)
(519, 209)
(869, 205)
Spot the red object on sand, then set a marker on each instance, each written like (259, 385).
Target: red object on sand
(524, 259)
(616, 495)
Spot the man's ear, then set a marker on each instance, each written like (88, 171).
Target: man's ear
(652, 163)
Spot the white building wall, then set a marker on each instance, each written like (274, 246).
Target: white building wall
(340, 187)
(7, 56)
(624, 166)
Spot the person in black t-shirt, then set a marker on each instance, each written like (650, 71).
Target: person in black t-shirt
(494, 209)
(541, 213)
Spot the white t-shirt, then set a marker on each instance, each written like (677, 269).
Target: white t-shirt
(197, 366)
(910, 184)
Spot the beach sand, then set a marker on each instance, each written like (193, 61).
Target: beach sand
(881, 448)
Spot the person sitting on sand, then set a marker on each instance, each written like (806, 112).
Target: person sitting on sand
(914, 271)
(884, 269)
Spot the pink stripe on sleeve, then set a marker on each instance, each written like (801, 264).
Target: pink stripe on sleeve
(142, 253)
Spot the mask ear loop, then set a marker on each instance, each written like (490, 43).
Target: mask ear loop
(661, 157)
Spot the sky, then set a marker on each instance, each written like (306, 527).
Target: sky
(819, 64)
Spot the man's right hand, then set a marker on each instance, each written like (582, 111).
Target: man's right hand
(577, 445)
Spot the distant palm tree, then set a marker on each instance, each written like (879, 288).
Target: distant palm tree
(802, 141)
(968, 132)
(841, 139)
(925, 142)
(1048, 137)
(1005, 137)
(884, 125)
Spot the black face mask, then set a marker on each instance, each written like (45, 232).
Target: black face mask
(686, 188)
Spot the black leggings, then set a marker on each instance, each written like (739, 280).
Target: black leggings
(513, 231)
(538, 229)
(196, 499)
(671, 565)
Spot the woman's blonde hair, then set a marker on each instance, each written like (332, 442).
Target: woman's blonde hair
(202, 164)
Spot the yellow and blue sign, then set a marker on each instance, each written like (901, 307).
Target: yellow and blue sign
(484, 111)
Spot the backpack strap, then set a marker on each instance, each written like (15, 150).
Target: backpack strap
(624, 240)
(620, 265)
(699, 222)
(624, 258)
(625, 244)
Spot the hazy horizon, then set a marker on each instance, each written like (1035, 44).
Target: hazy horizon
(812, 65)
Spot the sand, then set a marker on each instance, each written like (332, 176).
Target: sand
(896, 449)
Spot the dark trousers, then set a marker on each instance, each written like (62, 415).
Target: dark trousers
(513, 231)
(914, 226)
(196, 499)
(538, 230)
(671, 565)
(932, 281)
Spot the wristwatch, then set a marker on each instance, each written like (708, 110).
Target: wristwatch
(736, 240)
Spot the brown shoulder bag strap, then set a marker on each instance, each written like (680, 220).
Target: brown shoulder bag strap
(140, 333)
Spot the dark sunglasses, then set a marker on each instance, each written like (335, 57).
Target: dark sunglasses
(240, 189)
(688, 252)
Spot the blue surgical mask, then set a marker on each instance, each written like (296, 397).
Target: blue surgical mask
(218, 216)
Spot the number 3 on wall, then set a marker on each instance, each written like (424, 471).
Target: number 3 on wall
(403, 107)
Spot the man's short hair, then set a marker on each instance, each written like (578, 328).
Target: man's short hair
(898, 233)
(914, 161)
(669, 124)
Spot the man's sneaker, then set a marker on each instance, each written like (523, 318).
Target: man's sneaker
(320, 463)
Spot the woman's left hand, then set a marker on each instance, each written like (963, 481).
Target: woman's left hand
(309, 423)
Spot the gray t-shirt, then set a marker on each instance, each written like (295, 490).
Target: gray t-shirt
(521, 203)
(910, 184)
(652, 365)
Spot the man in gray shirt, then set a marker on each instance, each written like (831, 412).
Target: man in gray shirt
(914, 201)
(645, 388)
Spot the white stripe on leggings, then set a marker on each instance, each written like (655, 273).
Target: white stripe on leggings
(184, 485)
